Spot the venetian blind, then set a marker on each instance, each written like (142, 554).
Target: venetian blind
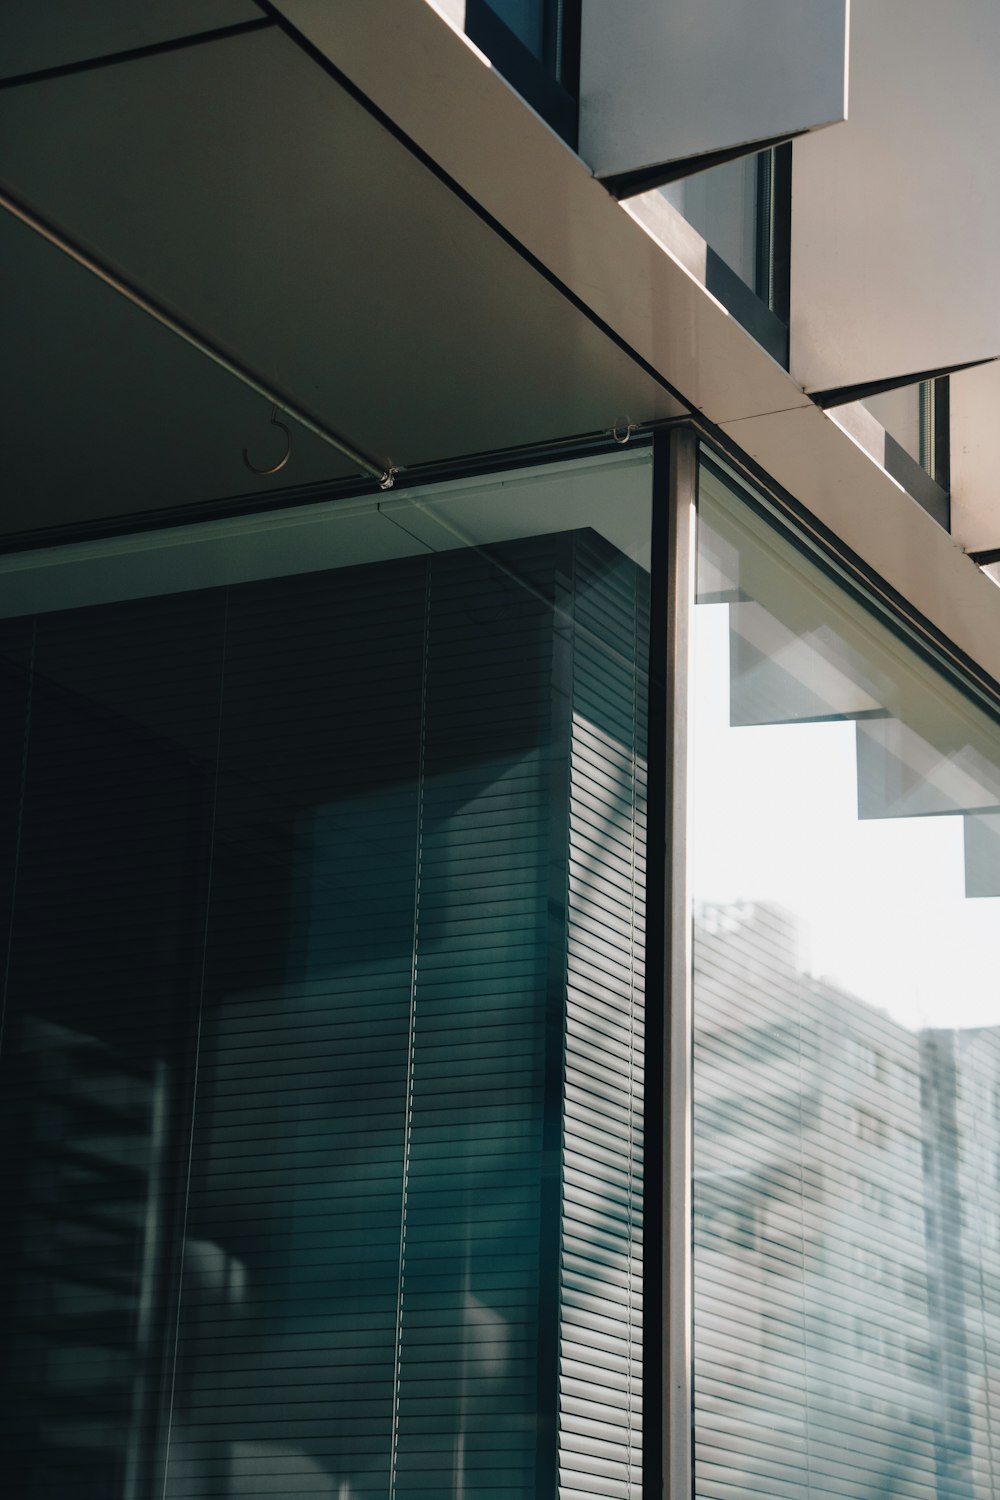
(325, 1016)
(601, 1254)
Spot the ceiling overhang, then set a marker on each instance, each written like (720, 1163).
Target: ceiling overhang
(243, 186)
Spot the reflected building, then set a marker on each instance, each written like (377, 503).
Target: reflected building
(846, 1256)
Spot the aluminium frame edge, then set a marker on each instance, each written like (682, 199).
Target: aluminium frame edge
(677, 1264)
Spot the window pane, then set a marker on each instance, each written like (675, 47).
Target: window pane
(908, 415)
(322, 1078)
(723, 205)
(899, 413)
(526, 19)
(847, 1041)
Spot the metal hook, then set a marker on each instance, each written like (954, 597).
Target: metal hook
(622, 433)
(388, 479)
(282, 461)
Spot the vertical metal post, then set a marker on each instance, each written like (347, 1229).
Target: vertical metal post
(677, 1340)
(667, 1450)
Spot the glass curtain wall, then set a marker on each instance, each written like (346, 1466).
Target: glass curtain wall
(321, 1075)
(846, 848)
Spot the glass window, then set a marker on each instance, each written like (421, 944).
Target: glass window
(723, 204)
(526, 20)
(322, 1071)
(847, 897)
(535, 44)
(912, 415)
(740, 209)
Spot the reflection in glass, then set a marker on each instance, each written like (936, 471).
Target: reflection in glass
(723, 204)
(847, 1043)
(737, 208)
(908, 415)
(527, 20)
(322, 1073)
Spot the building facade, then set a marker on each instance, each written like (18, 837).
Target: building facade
(500, 656)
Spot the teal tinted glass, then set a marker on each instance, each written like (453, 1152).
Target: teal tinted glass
(847, 1040)
(322, 1072)
(527, 20)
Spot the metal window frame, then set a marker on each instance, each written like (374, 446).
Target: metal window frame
(667, 1304)
(678, 1264)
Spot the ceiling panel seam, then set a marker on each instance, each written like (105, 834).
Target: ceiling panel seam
(468, 200)
(133, 54)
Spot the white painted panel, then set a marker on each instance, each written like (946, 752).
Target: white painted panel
(665, 80)
(39, 34)
(895, 215)
(975, 458)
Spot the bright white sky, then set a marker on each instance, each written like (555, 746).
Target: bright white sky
(881, 904)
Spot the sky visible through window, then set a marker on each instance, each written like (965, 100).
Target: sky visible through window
(879, 904)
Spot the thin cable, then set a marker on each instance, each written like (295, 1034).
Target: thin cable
(397, 1355)
(636, 761)
(197, 1046)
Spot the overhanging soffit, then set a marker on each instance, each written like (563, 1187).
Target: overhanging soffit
(669, 89)
(37, 36)
(240, 185)
(896, 221)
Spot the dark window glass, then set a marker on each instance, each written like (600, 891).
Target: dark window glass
(527, 20)
(322, 1073)
(535, 45)
(742, 210)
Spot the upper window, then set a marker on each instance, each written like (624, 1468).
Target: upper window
(915, 418)
(741, 210)
(535, 44)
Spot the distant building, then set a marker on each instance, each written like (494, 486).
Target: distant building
(845, 1325)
